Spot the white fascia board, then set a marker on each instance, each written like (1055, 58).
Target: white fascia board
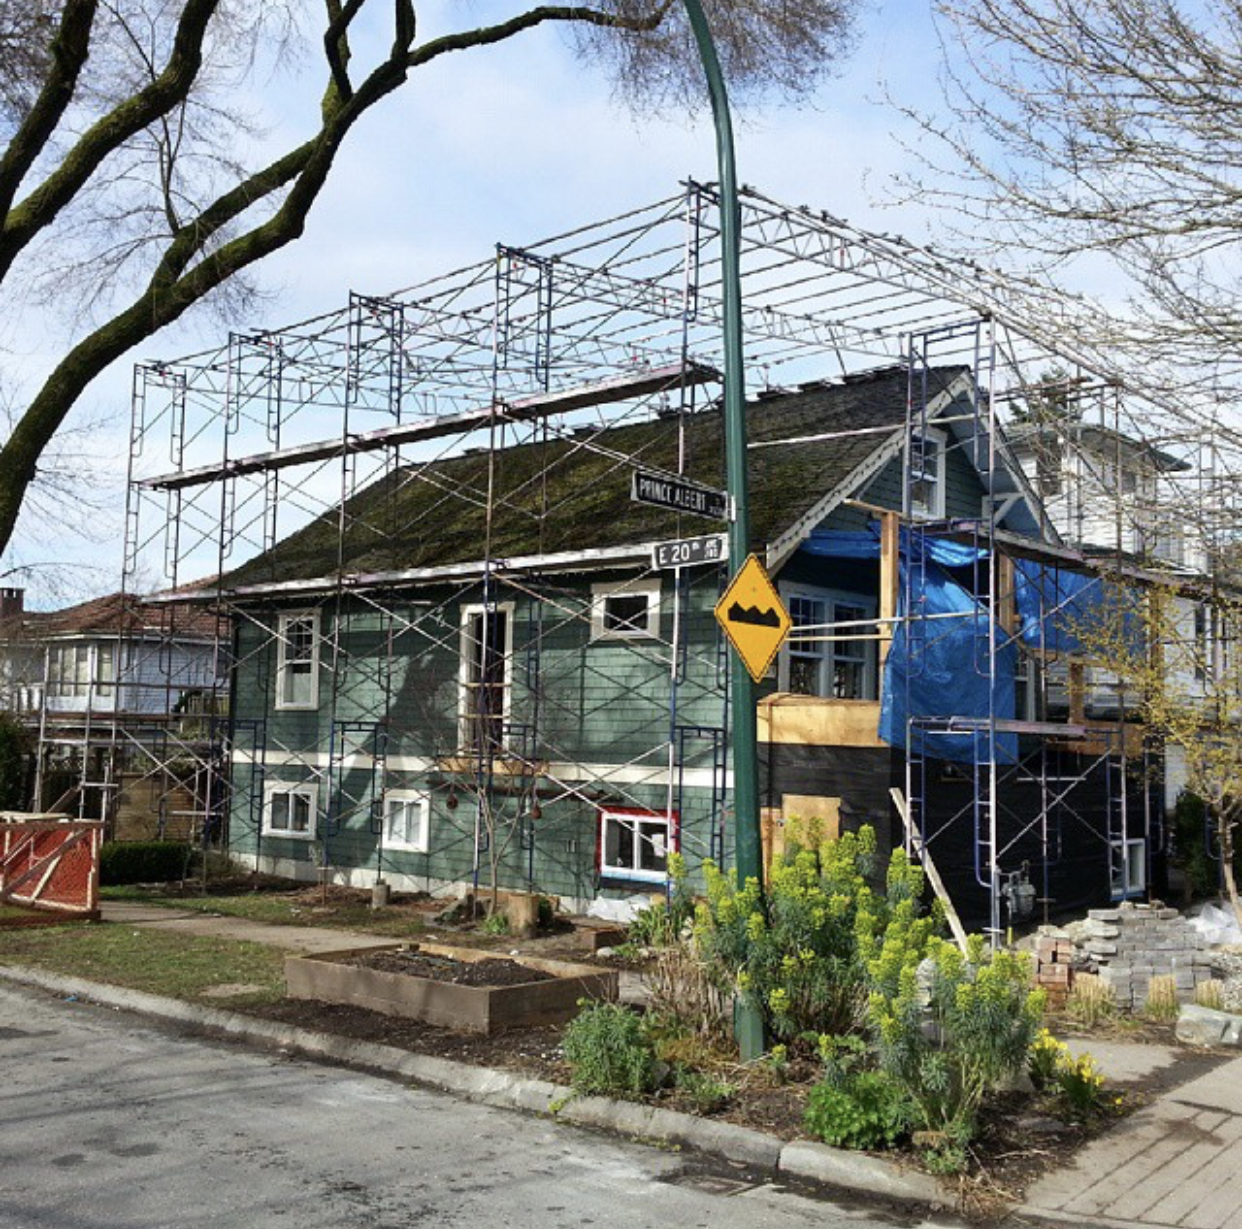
(784, 546)
(618, 556)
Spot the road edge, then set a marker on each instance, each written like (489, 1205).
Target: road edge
(803, 1160)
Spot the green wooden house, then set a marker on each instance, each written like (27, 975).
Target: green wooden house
(475, 668)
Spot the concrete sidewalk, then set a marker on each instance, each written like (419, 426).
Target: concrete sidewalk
(1173, 1163)
(308, 939)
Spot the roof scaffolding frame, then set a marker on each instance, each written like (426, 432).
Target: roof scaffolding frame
(488, 389)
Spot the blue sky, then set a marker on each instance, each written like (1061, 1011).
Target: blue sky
(514, 143)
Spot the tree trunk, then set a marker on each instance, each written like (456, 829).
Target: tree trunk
(1225, 825)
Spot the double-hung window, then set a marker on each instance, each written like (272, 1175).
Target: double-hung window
(926, 468)
(634, 844)
(406, 820)
(290, 810)
(625, 610)
(69, 670)
(297, 660)
(834, 656)
(486, 676)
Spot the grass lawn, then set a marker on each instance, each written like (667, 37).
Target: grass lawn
(301, 907)
(179, 966)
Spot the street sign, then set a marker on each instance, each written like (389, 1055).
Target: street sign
(753, 617)
(679, 495)
(689, 551)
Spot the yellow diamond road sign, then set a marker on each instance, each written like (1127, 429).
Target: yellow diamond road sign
(753, 617)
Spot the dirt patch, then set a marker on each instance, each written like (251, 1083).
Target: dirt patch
(487, 972)
(534, 1051)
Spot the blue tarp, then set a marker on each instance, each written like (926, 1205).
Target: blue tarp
(936, 667)
(865, 544)
(1058, 607)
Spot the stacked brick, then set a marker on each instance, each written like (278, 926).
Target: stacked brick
(1134, 943)
(1054, 957)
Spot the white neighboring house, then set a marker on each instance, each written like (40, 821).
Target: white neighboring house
(106, 673)
(1104, 492)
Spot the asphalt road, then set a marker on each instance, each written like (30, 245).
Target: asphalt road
(110, 1121)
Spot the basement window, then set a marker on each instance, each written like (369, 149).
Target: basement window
(634, 845)
(290, 810)
(625, 610)
(297, 660)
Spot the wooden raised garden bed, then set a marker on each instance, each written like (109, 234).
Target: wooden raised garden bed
(550, 997)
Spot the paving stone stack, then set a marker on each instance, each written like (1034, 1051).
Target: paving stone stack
(1132, 943)
(1054, 956)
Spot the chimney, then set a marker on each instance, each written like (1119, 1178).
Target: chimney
(12, 602)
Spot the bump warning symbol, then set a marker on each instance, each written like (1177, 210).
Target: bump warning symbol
(753, 617)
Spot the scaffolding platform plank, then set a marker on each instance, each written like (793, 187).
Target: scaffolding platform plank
(641, 383)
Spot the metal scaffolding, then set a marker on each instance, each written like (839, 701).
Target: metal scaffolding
(553, 349)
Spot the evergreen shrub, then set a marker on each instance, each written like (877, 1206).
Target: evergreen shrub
(145, 861)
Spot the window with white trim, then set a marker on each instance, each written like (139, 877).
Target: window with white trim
(406, 820)
(68, 670)
(626, 610)
(1128, 867)
(835, 657)
(486, 676)
(105, 669)
(634, 844)
(290, 810)
(297, 659)
(927, 449)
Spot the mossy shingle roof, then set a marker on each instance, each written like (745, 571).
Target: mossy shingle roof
(568, 494)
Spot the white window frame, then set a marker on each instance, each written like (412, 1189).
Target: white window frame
(649, 629)
(938, 437)
(465, 715)
(307, 789)
(1126, 888)
(283, 663)
(828, 653)
(631, 817)
(407, 797)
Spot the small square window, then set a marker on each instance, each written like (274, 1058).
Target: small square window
(291, 811)
(406, 821)
(626, 610)
(634, 845)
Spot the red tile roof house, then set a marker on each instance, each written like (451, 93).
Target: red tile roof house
(106, 686)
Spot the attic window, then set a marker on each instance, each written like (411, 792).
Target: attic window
(926, 473)
(625, 610)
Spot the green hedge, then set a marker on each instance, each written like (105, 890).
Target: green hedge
(145, 861)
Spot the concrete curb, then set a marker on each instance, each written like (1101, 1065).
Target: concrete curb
(800, 1159)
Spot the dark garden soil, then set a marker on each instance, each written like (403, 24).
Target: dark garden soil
(1020, 1137)
(535, 1051)
(487, 972)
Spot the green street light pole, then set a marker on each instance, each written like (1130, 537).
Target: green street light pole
(748, 855)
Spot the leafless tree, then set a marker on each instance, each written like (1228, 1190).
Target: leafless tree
(128, 177)
(1102, 126)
